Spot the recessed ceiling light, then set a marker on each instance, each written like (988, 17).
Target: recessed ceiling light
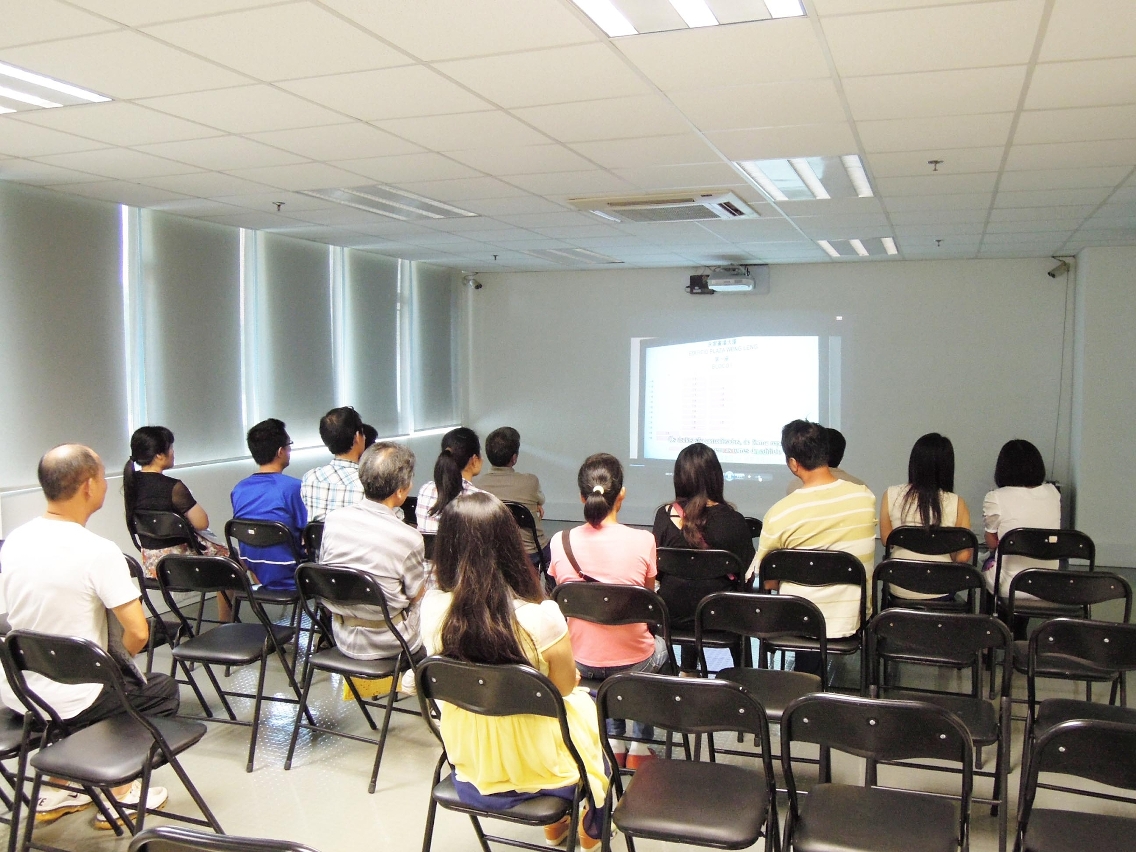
(858, 247)
(392, 203)
(5, 109)
(48, 83)
(695, 12)
(889, 245)
(857, 175)
(607, 216)
(809, 178)
(827, 246)
(24, 98)
(606, 17)
(785, 8)
(761, 179)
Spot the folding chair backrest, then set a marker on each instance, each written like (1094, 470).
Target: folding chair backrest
(755, 526)
(1077, 588)
(523, 517)
(813, 567)
(611, 604)
(64, 659)
(346, 586)
(929, 578)
(686, 705)
(933, 541)
(168, 838)
(410, 511)
(428, 545)
(760, 616)
(201, 574)
(690, 564)
(1097, 750)
(879, 729)
(1107, 646)
(313, 538)
(168, 529)
(1045, 544)
(259, 534)
(489, 690)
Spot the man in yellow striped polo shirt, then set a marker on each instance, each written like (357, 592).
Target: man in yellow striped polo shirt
(825, 513)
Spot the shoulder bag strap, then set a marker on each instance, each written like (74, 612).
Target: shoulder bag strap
(566, 540)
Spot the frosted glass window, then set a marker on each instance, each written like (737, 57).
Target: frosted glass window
(433, 349)
(292, 337)
(62, 358)
(371, 329)
(190, 298)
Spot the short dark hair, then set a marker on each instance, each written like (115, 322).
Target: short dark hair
(1019, 465)
(339, 427)
(266, 439)
(806, 442)
(384, 468)
(63, 470)
(501, 445)
(836, 446)
(370, 435)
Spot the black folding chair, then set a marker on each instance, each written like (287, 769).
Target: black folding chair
(1085, 748)
(428, 545)
(941, 579)
(921, 638)
(410, 512)
(525, 520)
(17, 734)
(164, 529)
(173, 839)
(694, 566)
(349, 587)
(1043, 545)
(497, 691)
(701, 803)
(163, 630)
(313, 539)
(933, 541)
(106, 754)
(870, 818)
(755, 526)
(226, 645)
(819, 568)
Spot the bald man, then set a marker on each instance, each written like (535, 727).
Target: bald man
(62, 579)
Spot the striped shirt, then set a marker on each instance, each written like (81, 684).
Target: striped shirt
(332, 486)
(427, 497)
(837, 516)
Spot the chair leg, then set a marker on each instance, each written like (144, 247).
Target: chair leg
(481, 834)
(362, 704)
(256, 710)
(220, 692)
(37, 782)
(299, 718)
(291, 679)
(391, 696)
(190, 788)
(431, 812)
(143, 793)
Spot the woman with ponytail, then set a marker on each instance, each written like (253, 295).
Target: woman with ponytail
(490, 608)
(146, 486)
(457, 464)
(605, 551)
(698, 518)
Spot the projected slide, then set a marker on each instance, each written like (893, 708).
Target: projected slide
(733, 394)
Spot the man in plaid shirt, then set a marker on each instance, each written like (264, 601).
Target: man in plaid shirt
(336, 484)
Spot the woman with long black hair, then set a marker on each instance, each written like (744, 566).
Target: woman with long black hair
(457, 464)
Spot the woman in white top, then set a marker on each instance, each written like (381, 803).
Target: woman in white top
(927, 500)
(1022, 499)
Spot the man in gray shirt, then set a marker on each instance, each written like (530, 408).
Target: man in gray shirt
(371, 537)
(502, 447)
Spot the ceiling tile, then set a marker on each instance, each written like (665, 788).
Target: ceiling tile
(206, 184)
(767, 105)
(966, 216)
(1077, 125)
(40, 174)
(940, 183)
(649, 151)
(997, 231)
(1040, 214)
(222, 153)
(832, 207)
(955, 161)
(610, 118)
(120, 192)
(293, 202)
(935, 93)
(120, 163)
(447, 29)
(246, 109)
(255, 219)
(856, 7)
(740, 54)
(932, 38)
(1089, 29)
(410, 167)
(701, 175)
(302, 176)
(481, 189)
(26, 23)
(574, 184)
(337, 142)
(1089, 177)
(552, 76)
(962, 201)
(1050, 197)
(410, 90)
(141, 12)
(1112, 152)
(526, 160)
(458, 132)
(281, 42)
(766, 229)
(118, 123)
(966, 131)
(1100, 82)
(971, 229)
(805, 140)
(19, 139)
(122, 65)
(195, 207)
(525, 204)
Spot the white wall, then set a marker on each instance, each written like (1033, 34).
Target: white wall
(1105, 402)
(972, 349)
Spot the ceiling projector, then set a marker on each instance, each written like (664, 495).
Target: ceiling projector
(731, 279)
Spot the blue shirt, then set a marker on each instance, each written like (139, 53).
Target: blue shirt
(271, 497)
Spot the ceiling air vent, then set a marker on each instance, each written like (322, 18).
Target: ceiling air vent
(701, 206)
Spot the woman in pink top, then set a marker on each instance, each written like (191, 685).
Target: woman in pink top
(605, 551)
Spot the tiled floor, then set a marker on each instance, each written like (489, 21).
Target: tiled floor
(323, 801)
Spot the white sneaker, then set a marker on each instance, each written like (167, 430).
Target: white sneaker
(155, 798)
(407, 685)
(54, 803)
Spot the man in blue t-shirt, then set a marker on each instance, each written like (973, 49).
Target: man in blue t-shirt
(269, 495)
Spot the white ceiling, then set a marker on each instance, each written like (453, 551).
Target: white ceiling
(508, 108)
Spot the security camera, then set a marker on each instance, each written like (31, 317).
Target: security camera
(1060, 269)
(470, 280)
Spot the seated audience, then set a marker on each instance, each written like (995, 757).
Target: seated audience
(698, 518)
(826, 513)
(457, 465)
(502, 448)
(269, 495)
(836, 446)
(927, 500)
(605, 551)
(1022, 499)
(370, 435)
(336, 484)
(370, 537)
(62, 579)
(489, 608)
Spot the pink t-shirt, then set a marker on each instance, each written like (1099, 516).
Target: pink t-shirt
(617, 554)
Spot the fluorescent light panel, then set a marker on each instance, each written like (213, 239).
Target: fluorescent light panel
(857, 175)
(631, 17)
(606, 17)
(810, 178)
(876, 247)
(607, 216)
(889, 245)
(827, 246)
(14, 73)
(858, 247)
(695, 12)
(785, 8)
